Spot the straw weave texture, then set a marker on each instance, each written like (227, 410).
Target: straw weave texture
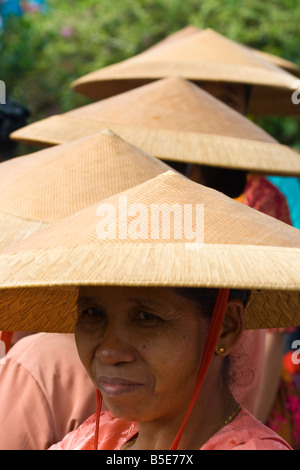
(190, 30)
(14, 229)
(43, 187)
(203, 56)
(225, 221)
(48, 185)
(242, 248)
(53, 183)
(171, 104)
(174, 104)
(173, 119)
(189, 147)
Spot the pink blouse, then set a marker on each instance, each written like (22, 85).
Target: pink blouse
(244, 433)
(45, 392)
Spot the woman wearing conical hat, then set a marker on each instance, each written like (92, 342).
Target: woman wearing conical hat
(255, 190)
(209, 142)
(158, 278)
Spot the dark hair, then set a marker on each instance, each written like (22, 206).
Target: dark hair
(206, 298)
(226, 180)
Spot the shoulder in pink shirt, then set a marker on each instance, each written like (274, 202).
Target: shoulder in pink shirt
(244, 433)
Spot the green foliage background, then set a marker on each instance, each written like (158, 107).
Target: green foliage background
(42, 53)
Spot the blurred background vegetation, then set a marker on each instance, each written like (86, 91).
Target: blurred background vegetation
(42, 52)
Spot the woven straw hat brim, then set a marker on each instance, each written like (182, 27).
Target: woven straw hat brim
(284, 64)
(203, 56)
(188, 147)
(173, 119)
(46, 186)
(242, 248)
(37, 307)
(15, 228)
(265, 99)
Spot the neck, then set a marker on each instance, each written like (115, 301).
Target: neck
(205, 420)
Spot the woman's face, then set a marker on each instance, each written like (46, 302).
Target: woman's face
(141, 347)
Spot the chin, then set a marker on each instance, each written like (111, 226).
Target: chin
(133, 412)
(126, 414)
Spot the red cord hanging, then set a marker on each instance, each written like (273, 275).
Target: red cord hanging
(98, 411)
(210, 347)
(6, 337)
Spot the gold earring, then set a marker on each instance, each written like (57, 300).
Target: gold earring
(221, 349)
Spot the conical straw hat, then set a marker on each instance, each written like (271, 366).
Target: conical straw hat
(173, 119)
(274, 59)
(204, 56)
(46, 186)
(151, 235)
(284, 64)
(182, 33)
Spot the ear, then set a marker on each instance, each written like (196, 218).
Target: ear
(232, 328)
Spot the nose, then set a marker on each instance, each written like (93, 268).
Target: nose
(115, 348)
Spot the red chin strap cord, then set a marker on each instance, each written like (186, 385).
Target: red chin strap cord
(98, 411)
(6, 337)
(209, 350)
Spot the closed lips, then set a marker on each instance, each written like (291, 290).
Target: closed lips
(117, 381)
(113, 386)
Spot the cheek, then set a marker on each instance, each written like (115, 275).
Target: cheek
(178, 360)
(84, 347)
(85, 350)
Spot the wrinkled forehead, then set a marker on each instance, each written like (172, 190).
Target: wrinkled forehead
(164, 298)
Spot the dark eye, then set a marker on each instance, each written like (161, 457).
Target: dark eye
(148, 317)
(91, 312)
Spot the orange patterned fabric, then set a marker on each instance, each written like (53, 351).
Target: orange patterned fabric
(264, 196)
